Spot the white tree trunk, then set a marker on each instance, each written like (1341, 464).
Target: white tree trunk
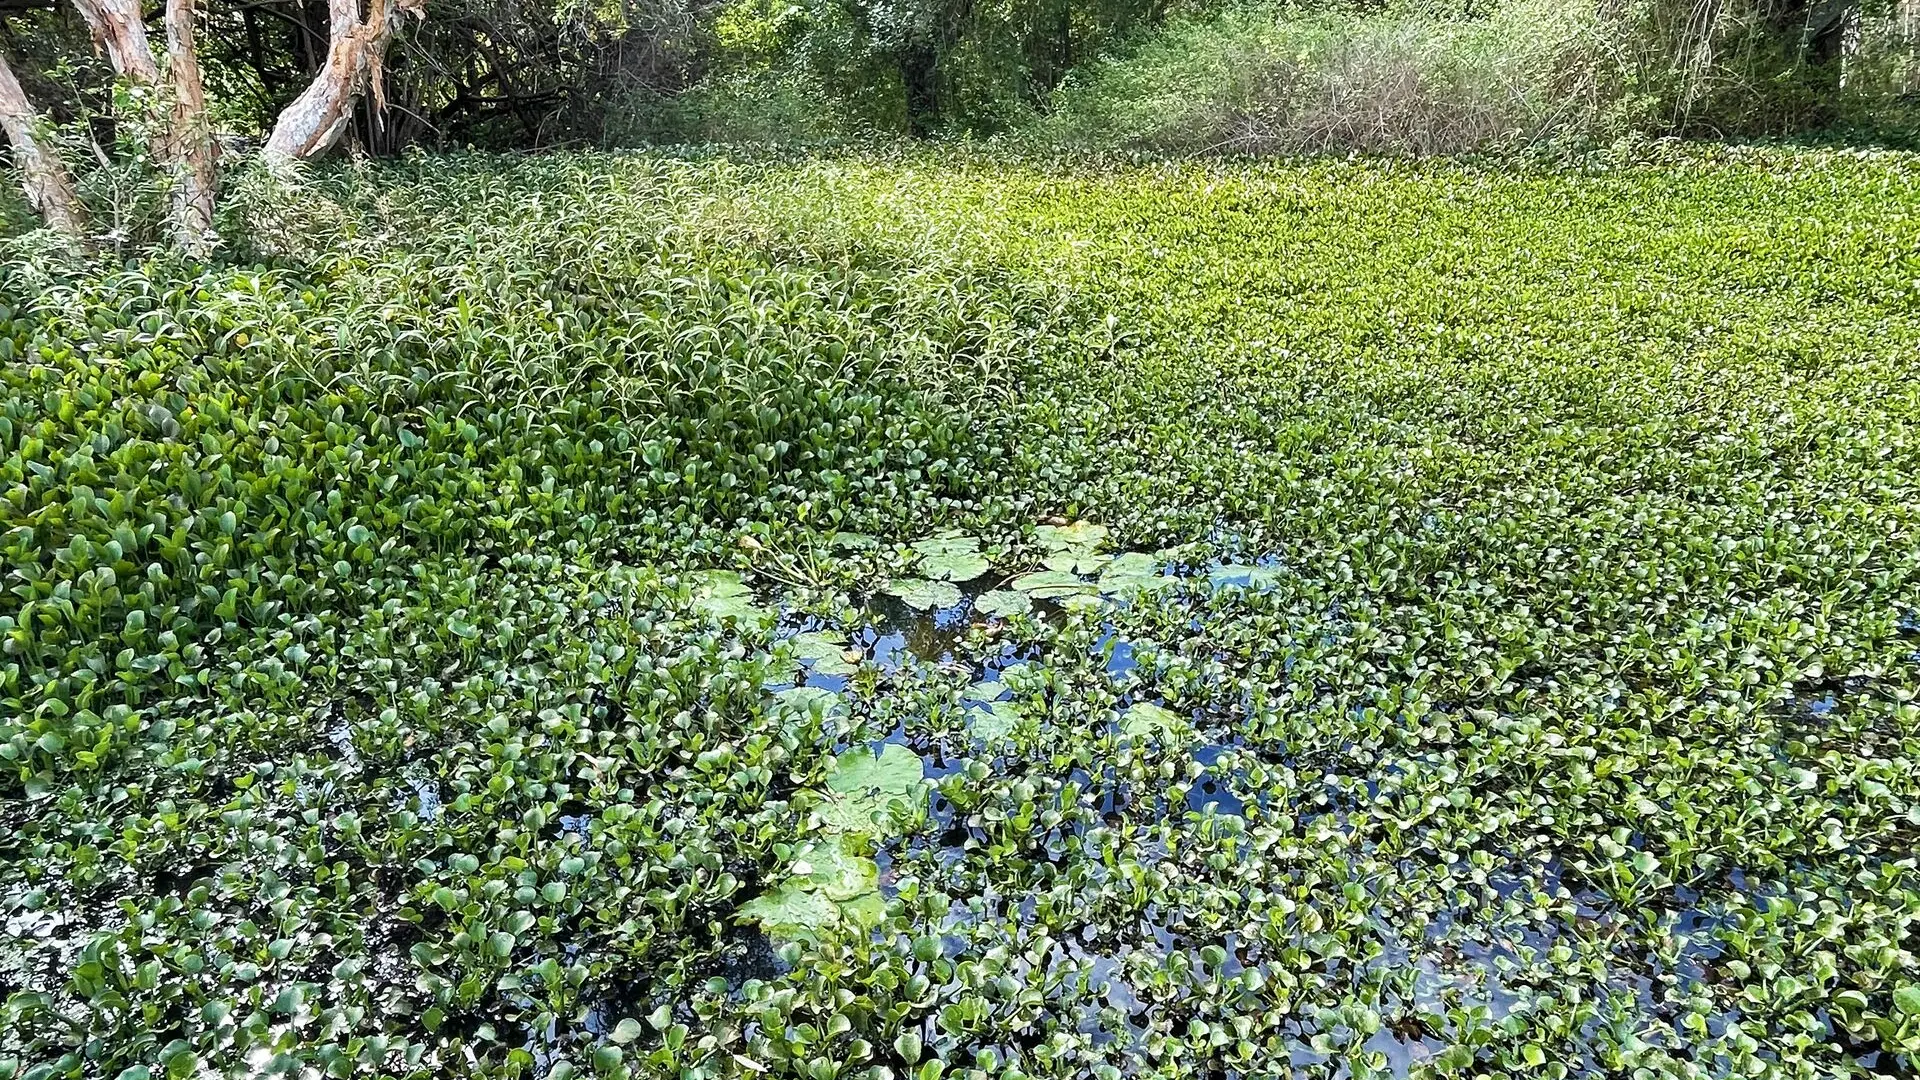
(49, 185)
(192, 149)
(356, 52)
(118, 28)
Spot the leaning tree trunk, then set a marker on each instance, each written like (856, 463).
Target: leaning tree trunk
(356, 53)
(49, 186)
(118, 28)
(192, 149)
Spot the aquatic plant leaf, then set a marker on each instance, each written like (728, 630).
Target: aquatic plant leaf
(895, 770)
(853, 541)
(806, 699)
(923, 595)
(835, 872)
(722, 596)
(1242, 575)
(863, 789)
(1003, 603)
(1079, 536)
(964, 566)
(1131, 574)
(824, 652)
(1051, 585)
(984, 690)
(1075, 562)
(946, 544)
(1144, 718)
(864, 912)
(951, 558)
(994, 720)
(792, 911)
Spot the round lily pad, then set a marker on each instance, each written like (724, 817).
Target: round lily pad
(993, 720)
(1003, 603)
(824, 653)
(1051, 584)
(951, 559)
(923, 595)
(1144, 718)
(1081, 535)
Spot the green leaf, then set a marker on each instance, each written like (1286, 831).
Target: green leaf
(984, 690)
(951, 559)
(1003, 603)
(627, 1030)
(1075, 562)
(1143, 719)
(720, 595)
(923, 595)
(830, 869)
(1906, 1000)
(1052, 585)
(863, 789)
(1242, 576)
(1131, 574)
(790, 911)
(824, 653)
(805, 700)
(993, 721)
(1079, 536)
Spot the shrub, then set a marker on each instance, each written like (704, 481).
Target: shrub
(766, 106)
(1416, 81)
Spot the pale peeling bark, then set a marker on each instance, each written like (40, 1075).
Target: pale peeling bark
(192, 149)
(49, 185)
(118, 28)
(356, 54)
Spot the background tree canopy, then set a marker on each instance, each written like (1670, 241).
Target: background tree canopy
(1186, 73)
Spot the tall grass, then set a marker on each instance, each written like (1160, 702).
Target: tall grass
(1420, 80)
(1260, 81)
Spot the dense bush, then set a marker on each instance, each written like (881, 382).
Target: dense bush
(1382, 619)
(1251, 82)
(1411, 79)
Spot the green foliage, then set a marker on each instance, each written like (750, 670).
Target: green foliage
(1398, 81)
(1495, 654)
(1417, 79)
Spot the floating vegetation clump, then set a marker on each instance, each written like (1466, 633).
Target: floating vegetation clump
(622, 616)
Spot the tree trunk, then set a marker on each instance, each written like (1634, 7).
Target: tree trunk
(49, 186)
(118, 27)
(192, 149)
(356, 52)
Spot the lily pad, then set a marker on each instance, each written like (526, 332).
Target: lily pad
(1075, 562)
(864, 912)
(923, 595)
(984, 690)
(824, 653)
(1143, 718)
(864, 787)
(792, 911)
(995, 720)
(1003, 603)
(834, 872)
(951, 558)
(1086, 601)
(831, 885)
(1079, 536)
(1051, 585)
(722, 596)
(853, 541)
(1131, 573)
